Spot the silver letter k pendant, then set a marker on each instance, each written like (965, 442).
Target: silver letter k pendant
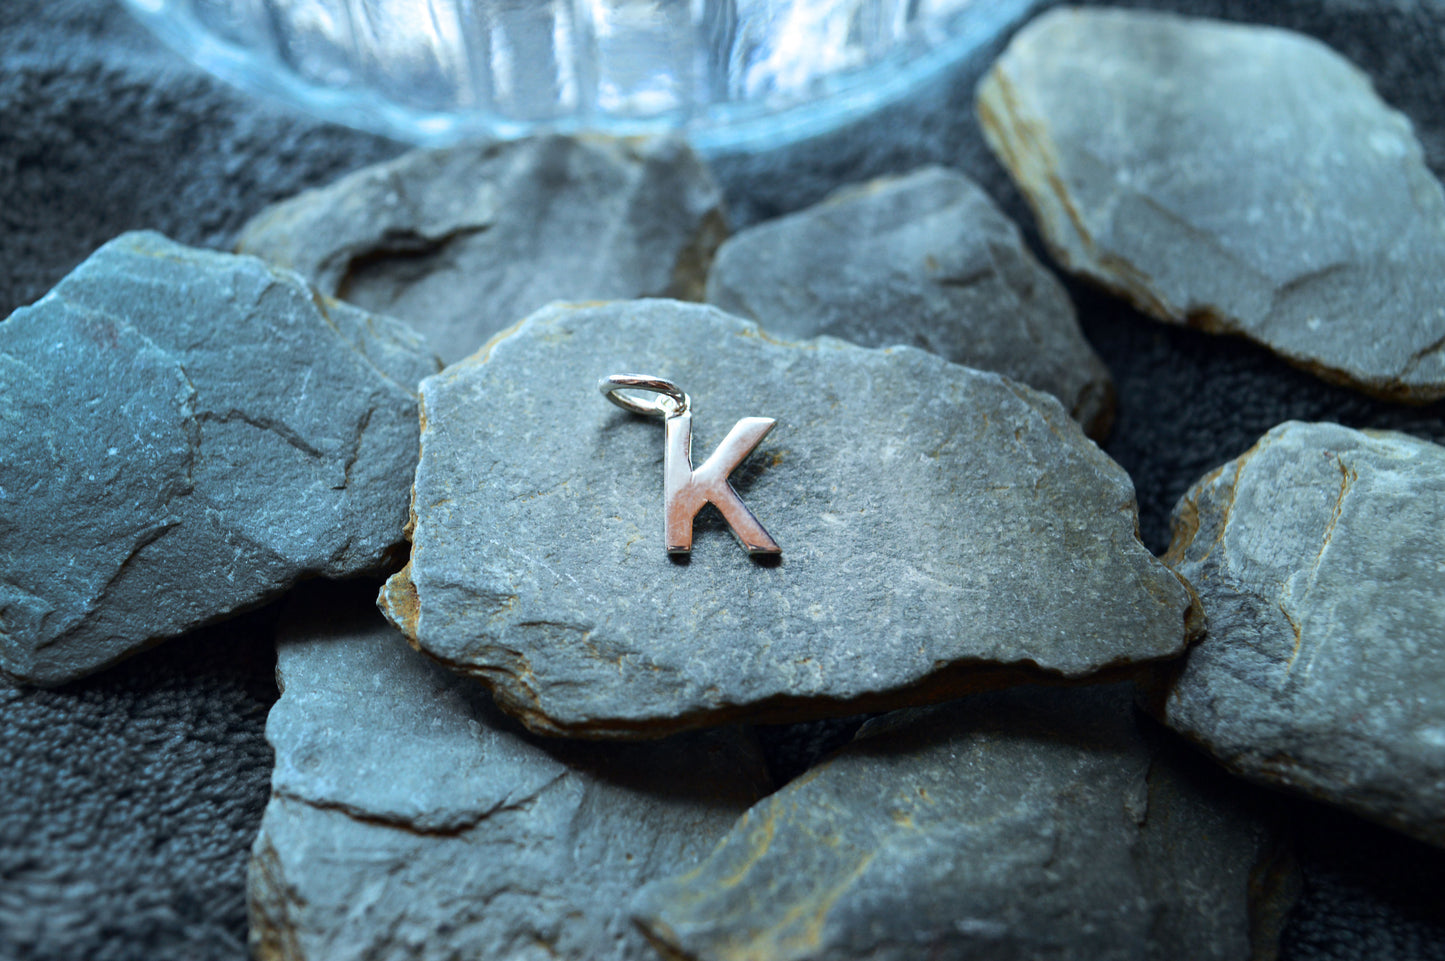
(685, 489)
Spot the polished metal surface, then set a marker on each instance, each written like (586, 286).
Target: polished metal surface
(687, 490)
(673, 400)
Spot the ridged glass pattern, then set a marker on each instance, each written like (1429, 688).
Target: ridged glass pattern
(433, 71)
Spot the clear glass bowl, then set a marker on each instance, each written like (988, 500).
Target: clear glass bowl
(730, 72)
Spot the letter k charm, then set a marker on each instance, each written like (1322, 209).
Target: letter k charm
(686, 490)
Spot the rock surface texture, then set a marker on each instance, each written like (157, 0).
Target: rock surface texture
(941, 528)
(925, 260)
(184, 434)
(409, 819)
(1025, 824)
(465, 241)
(1238, 178)
(1319, 559)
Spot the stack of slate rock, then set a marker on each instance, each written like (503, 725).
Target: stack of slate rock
(543, 748)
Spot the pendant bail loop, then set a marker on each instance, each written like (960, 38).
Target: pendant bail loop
(671, 403)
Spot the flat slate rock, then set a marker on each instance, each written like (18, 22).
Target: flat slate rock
(1236, 178)
(1319, 559)
(941, 528)
(185, 434)
(926, 260)
(464, 241)
(409, 819)
(1026, 824)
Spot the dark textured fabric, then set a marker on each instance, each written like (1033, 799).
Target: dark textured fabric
(1368, 893)
(128, 801)
(103, 131)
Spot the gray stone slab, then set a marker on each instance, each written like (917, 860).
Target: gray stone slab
(186, 434)
(1241, 179)
(1026, 824)
(927, 260)
(465, 241)
(941, 528)
(409, 819)
(1319, 560)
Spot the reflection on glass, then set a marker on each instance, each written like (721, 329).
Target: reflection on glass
(434, 70)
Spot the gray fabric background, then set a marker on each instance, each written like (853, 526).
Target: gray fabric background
(128, 801)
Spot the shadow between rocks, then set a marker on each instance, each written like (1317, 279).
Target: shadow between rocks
(1369, 893)
(1190, 401)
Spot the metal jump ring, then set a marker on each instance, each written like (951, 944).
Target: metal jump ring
(672, 402)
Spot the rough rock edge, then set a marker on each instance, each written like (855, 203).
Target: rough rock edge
(1185, 523)
(271, 934)
(398, 600)
(694, 260)
(687, 279)
(351, 341)
(1274, 882)
(1026, 151)
(1095, 405)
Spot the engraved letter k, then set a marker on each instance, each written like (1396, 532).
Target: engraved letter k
(687, 490)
